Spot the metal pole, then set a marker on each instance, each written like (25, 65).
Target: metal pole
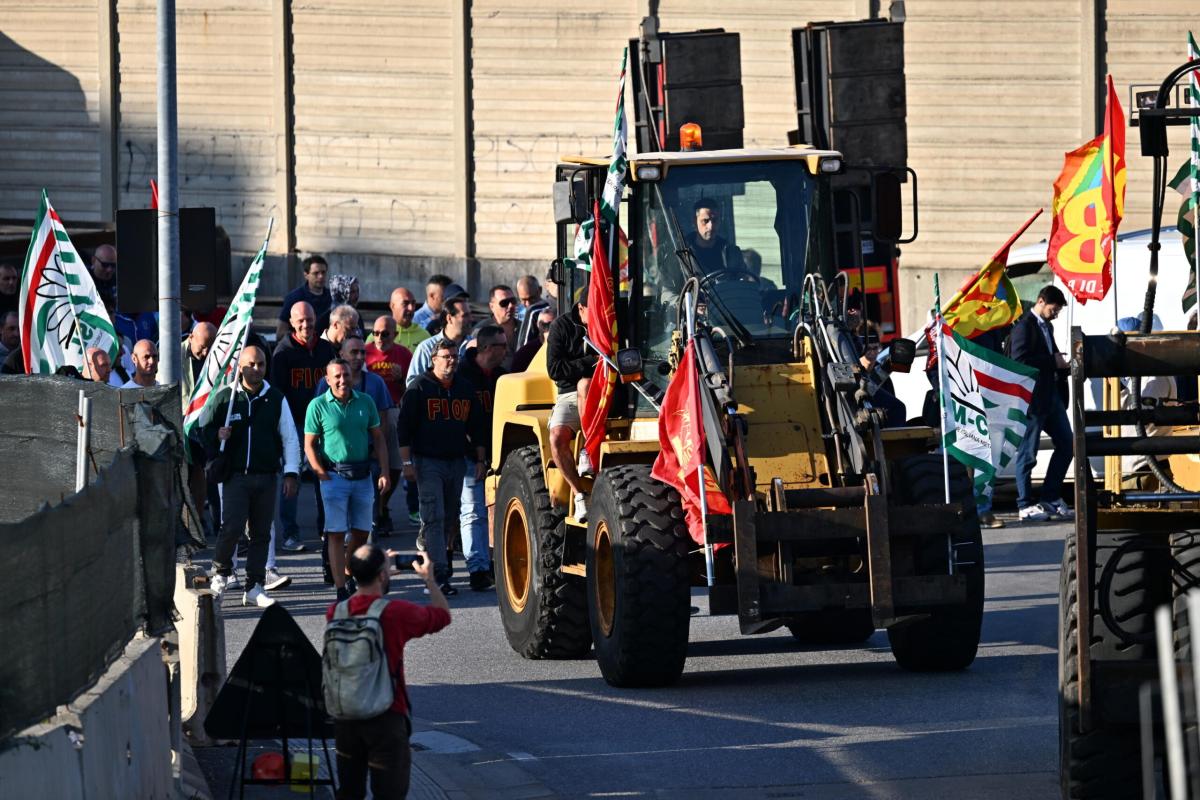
(942, 389)
(168, 200)
(1172, 718)
(81, 448)
(709, 566)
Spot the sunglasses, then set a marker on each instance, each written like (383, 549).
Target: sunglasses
(506, 302)
(382, 333)
(107, 264)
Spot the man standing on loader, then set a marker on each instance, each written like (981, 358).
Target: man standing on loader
(570, 365)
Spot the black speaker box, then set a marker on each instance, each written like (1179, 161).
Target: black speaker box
(850, 90)
(202, 261)
(699, 80)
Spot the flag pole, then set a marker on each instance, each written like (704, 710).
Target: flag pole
(237, 355)
(709, 572)
(941, 353)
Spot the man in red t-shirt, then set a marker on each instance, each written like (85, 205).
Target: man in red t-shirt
(382, 742)
(389, 361)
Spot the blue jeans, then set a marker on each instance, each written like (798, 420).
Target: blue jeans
(1054, 422)
(439, 488)
(472, 521)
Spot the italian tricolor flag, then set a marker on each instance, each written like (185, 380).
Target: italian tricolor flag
(60, 313)
(985, 398)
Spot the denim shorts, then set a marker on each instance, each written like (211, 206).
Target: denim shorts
(348, 504)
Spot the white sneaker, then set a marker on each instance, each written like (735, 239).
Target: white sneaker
(218, 584)
(580, 508)
(584, 466)
(1059, 509)
(233, 581)
(275, 581)
(1034, 513)
(257, 596)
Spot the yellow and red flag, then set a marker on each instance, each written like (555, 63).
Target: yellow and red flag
(602, 331)
(681, 459)
(987, 300)
(1089, 201)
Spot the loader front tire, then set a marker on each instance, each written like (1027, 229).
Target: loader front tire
(544, 611)
(638, 585)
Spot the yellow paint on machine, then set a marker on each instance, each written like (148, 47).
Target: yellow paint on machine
(784, 439)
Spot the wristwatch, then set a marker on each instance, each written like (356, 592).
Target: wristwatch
(406, 463)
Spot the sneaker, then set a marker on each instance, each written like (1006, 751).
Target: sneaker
(293, 545)
(447, 589)
(1059, 510)
(233, 581)
(990, 520)
(218, 583)
(343, 593)
(580, 508)
(481, 581)
(275, 581)
(415, 518)
(380, 531)
(584, 467)
(1034, 513)
(257, 596)
(383, 525)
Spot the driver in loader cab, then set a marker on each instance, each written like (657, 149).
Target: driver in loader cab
(713, 252)
(570, 365)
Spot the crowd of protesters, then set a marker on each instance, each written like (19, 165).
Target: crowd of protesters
(354, 409)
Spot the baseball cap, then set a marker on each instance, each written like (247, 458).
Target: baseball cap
(454, 290)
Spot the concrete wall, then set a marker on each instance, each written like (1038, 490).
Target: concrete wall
(111, 742)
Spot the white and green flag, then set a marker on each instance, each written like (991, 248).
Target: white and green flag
(1187, 183)
(59, 312)
(220, 365)
(614, 182)
(985, 399)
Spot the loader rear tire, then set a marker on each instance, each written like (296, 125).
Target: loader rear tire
(1102, 763)
(948, 638)
(851, 626)
(638, 578)
(544, 611)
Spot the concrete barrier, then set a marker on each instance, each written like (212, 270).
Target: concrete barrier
(201, 629)
(113, 741)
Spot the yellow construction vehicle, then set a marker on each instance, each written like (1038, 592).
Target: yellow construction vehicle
(840, 523)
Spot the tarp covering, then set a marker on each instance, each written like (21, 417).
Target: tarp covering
(82, 572)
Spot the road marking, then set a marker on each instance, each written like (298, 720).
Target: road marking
(444, 743)
(522, 757)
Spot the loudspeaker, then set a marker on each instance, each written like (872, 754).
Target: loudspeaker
(697, 78)
(203, 261)
(850, 90)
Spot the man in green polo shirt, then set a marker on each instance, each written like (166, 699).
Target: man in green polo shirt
(339, 428)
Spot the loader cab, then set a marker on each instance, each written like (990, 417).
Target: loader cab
(749, 225)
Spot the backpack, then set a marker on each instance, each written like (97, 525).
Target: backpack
(354, 668)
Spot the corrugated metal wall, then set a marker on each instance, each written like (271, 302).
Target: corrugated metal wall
(997, 92)
(994, 101)
(49, 95)
(1146, 40)
(373, 127)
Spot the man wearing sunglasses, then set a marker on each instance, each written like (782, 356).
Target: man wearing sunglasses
(503, 305)
(104, 270)
(390, 362)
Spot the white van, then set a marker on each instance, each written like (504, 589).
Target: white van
(1029, 272)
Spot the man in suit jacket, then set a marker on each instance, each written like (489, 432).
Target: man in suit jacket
(1032, 344)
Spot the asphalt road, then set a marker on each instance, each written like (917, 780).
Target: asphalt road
(752, 716)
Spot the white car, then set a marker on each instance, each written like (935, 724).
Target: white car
(1029, 272)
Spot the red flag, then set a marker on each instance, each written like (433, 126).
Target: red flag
(681, 434)
(1089, 201)
(602, 330)
(153, 194)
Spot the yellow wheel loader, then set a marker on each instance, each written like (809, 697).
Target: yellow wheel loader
(840, 523)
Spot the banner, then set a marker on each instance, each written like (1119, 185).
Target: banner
(602, 331)
(1089, 201)
(680, 461)
(985, 399)
(988, 299)
(1187, 183)
(59, 312)
(220, 365)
